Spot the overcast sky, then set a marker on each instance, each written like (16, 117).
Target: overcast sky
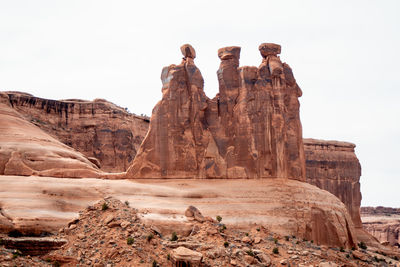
(344, 55)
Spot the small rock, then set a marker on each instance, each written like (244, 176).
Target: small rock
(125, 224)
(257, 240)
(114, 224)
(249, 259)
(359, 255)
(108, 219)
(81, 236)
(246, 239)
(283, 262)
(72, 226)
(212, 231)
(290, 252)
(304, 253)
(294, 257)
(233, 262)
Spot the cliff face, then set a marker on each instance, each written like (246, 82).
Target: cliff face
(251, 129)
(102, 131)
(27, 150)
(333, 166)
(383, 223)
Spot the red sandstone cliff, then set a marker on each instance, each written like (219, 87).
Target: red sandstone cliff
(333, 166)
(102, 131)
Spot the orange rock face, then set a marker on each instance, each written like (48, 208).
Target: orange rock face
(251, 129)
(27, 150)
(107, 134)
(333, 166)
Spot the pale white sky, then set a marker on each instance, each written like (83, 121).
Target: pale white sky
(344, 55)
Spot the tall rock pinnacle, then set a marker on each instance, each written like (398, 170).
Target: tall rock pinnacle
(251, 129)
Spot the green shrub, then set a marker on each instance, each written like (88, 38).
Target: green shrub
(362, 245)
(275, 250)
(174, 236)
(127, 203)
(130, 240)
(168, 257)
(155, 264)
(219, 218)
(104, 206)
(341, 249)
(258, 229)
(247, 234)
(250, 253)
(226, 244)
(150, 237)
(275, 241)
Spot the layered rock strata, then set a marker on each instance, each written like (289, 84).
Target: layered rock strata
(251, 129)
(27, 150)
(383, 223)
(333, 166)
(105, 133)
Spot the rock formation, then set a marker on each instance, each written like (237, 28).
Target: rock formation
(333, 166)
(105, 133)
(251, 129)
(383, 223)
(27, 150)
(284, 206)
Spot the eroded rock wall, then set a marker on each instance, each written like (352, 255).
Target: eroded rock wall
(383, 223)
(102, 131)
(251, 129)
(333, 166)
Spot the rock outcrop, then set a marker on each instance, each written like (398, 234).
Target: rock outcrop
(333, 166)
(27, 150)
(383, 223)
(284, 206)
(251, 129)
(106, 134)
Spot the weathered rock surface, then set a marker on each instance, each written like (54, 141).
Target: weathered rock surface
(106, 134)
(27, 150)
(284, 206)
(34, 245)
(383, 223)
(333, 166)
(251, 129)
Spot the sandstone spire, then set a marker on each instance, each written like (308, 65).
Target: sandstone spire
(251, 129)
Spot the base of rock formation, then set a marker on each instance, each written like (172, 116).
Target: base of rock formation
(286, 206)
(111, 233)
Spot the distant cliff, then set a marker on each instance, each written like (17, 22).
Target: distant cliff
(98, 129)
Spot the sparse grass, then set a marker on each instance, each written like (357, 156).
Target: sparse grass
(104, 206)
(174, 236)
(130, 240)
(219, 218)
(226, 244)
(149, 237)
(275, 250)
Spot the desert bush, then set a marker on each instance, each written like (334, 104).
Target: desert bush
(174, 236)
(130, 240)
(104, 206)
(150, 237)
(219, 218)
(275, 250)
(226, 244)
(362, 245)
